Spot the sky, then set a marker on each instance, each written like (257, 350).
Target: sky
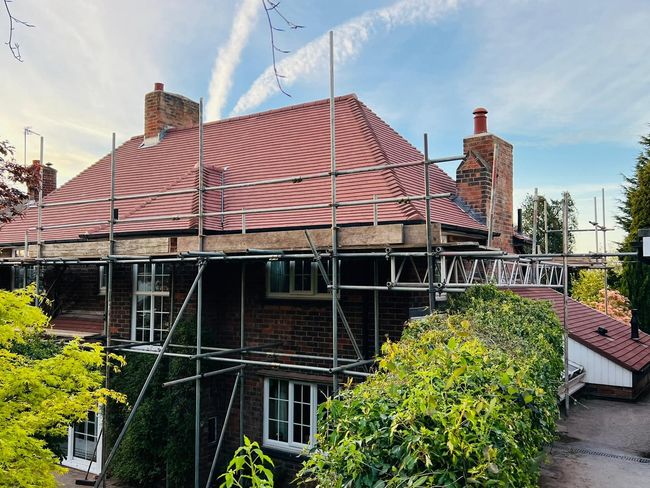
(565, 82)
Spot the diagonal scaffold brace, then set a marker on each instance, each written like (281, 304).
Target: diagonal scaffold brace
(152, 372)
(327, 281)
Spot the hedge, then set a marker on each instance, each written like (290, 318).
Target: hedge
(465, 398)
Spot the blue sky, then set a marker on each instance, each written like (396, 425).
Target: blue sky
(565, 82)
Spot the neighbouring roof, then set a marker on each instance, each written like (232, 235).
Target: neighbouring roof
(584, 321)
(82, 325)
(286, 142)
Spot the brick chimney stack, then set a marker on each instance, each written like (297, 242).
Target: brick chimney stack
(49, 181)
(164, 110)
(474, 179)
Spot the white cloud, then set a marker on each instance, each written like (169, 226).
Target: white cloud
(229, 56)
(349, 39)
(87, 66)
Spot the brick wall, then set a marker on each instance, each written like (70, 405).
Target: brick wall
(49, 181)
(163, 110)
(303, 326)
(474, 181)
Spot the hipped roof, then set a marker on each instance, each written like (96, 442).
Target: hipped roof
(286, 142)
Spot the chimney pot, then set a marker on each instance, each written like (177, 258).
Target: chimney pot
(480, 120)
(159, 87)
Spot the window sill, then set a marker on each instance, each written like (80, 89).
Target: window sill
(288, 453)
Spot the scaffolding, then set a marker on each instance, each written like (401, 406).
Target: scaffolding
(446, 270)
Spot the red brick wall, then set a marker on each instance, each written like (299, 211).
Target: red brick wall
(474, 180)
(303, 326)
(163, 110)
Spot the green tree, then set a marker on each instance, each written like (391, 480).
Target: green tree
(634, 215)
(43, 389)
(588, 288)
(554, 221)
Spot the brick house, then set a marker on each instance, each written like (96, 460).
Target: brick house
(283, 300)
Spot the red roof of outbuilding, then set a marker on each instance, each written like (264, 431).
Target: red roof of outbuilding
(286, 142)
(583, 323)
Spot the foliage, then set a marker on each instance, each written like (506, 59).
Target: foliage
(467, 398)
(44, 388)
(635, 215)
(159, 445)
(248, 468)
(12, 199)
(588, 288)
(554, 221)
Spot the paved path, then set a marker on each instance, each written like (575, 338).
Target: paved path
(603, 444)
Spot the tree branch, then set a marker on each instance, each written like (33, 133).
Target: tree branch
(14, 47)
(271, 6)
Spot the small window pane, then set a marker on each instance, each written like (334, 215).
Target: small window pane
(302, 275)
(279, 277)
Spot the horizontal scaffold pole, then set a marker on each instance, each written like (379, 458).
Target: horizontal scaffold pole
(200, 376)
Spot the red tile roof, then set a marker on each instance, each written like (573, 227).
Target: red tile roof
(279, 143)
(583, 323)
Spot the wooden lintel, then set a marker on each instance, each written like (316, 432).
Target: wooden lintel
(294, 240)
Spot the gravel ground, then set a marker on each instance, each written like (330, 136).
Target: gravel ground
(603, 444)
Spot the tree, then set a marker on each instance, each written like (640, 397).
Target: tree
(12, 199)
(554, 221)
(44, 387)
(588, 288)
(634, 215)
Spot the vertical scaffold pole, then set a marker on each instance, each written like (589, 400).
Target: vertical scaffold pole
(535, 212)
(375, 282)
(596, 221)
(109, 285)
(602, 193)
(565, 268)
(39, 230)
(493, 189)
(545, 226)
(199, 311)
(152, 372)
(242, 344)
(427, 194)
(335, 259)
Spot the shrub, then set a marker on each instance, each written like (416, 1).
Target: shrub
(464, 398)
(248, 467)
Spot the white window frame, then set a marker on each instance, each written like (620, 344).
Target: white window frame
(82, 464)
(151, 293)
(311, 294)
(290, 445)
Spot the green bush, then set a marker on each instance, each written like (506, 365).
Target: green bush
(464, 398)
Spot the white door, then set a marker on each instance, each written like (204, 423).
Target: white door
(84, 444)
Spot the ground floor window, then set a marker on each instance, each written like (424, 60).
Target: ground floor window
(84, 447)
(290, 413)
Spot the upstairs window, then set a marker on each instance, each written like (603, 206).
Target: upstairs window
(151, 312)
(296, 278)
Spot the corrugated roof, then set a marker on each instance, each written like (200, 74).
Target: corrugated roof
(286, 142)
(583, 323)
